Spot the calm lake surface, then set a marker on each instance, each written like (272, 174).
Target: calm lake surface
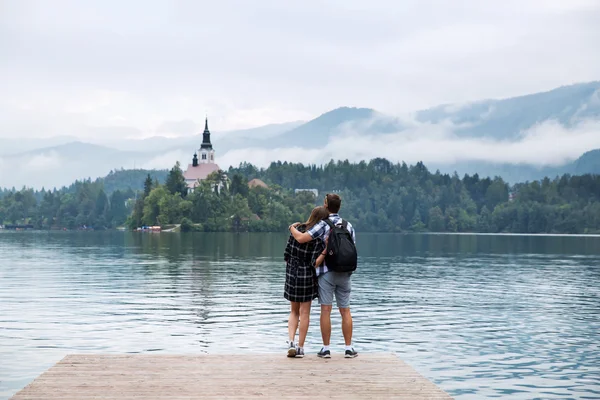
(511, 317)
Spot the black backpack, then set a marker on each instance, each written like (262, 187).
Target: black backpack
(341, 251)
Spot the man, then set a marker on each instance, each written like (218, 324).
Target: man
(331, 282)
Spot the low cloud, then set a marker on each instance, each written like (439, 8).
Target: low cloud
(44, 162)
(45, 169)
(546, 144)
(168, 160)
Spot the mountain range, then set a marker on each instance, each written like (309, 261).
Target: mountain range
(521, 138)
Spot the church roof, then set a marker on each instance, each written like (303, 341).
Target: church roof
(199, 172)
(257, 182)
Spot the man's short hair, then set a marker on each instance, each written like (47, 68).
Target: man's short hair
(334, 202)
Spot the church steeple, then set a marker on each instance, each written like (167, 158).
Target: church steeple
(203, 162)
(207, 153)
(206, 137)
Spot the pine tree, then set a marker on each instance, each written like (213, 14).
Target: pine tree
(148, 185)
(176, 181)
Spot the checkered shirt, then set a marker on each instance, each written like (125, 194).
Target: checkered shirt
(305, 253)
(321, 230)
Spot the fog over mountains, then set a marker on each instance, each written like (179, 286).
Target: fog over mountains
(521, 138)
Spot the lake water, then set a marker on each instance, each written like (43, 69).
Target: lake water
(512, 317)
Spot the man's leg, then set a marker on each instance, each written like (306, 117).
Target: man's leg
(346, 325)
(326, 289)
(326, 324)
(343, 288)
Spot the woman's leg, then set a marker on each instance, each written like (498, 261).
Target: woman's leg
(293, 320)
(304, 321)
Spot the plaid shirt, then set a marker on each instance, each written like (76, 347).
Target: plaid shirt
(305, 253)
(321, 230)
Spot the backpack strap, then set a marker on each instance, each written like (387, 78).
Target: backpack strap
(332, 226)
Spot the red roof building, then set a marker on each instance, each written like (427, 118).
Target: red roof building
(257, 182)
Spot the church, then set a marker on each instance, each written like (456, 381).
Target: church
(200, 169)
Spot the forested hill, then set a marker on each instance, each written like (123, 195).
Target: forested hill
(123, 180)
(102, 203)
(378, 196)
(386, 197)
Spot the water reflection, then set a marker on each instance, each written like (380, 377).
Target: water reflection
(514, 317)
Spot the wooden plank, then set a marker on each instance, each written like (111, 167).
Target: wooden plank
(268, 376)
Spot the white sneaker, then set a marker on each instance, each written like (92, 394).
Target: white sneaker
(291, 350)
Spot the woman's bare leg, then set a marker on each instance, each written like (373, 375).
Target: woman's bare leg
(304, 321)
(293, 320)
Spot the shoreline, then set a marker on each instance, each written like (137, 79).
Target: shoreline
(176, 230)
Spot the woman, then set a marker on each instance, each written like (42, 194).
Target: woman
(301, 280)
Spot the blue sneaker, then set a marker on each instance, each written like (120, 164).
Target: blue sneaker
(324, 353)
(351, 353)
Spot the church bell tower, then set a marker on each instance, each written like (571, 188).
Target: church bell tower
(206, 151)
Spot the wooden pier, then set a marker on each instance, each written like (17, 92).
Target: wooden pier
(271, 376)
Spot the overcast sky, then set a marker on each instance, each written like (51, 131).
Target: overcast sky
(143, 68)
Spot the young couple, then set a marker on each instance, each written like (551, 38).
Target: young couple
(307, 277)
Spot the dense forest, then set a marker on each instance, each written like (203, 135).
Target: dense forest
(378, 196)
(386, 197)
(102, 203)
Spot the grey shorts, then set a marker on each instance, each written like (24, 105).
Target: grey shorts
(338, 283)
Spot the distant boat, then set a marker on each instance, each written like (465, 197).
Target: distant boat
(149, 229)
